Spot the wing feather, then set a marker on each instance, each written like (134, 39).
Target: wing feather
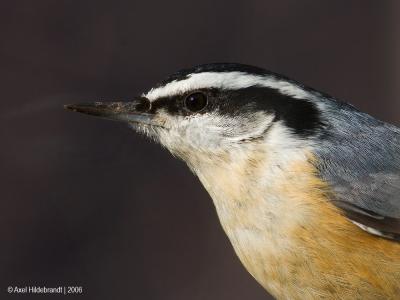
(359, 158)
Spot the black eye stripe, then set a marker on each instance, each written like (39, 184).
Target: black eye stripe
(300, 115)
(169, 103)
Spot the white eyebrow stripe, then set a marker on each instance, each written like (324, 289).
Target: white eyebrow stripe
(226, 80)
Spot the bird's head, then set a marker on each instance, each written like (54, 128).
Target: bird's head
(210, 110)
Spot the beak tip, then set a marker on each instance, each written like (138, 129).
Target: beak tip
(72, 107)
(118, 111)
(69, 106)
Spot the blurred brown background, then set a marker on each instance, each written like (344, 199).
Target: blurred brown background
(86, 202)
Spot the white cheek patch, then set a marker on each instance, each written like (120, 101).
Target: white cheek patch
(188, 134)
(245, 127)
(228, 81)
(210, 132)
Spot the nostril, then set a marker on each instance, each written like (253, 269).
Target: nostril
(143, 104)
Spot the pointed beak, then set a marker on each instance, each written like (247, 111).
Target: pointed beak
(137, 111)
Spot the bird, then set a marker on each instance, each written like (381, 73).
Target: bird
(306, 187)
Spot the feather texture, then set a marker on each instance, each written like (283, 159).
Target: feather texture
(359, 157)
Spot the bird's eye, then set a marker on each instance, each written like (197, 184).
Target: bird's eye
(196, 102)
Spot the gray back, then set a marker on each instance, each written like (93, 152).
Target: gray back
(359, 157)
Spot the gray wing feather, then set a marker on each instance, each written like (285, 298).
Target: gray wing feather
(359, 157)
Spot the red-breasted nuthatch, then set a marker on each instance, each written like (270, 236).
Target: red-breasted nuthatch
(306, 187)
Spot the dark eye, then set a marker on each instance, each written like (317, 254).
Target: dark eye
(196, 102)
